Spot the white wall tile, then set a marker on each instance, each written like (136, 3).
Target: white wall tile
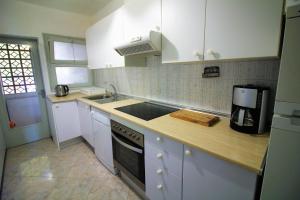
(183, 83)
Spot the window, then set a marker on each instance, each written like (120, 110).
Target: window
(67, 61)
(16, 69)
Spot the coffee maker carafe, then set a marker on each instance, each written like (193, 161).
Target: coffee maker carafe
(249, 108)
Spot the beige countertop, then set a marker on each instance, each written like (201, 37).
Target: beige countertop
(69, 97)
(220, 140)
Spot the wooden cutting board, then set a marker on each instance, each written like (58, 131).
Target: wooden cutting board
(195, 117)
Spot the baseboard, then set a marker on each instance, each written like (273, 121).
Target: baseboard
(2, 178)
(70, 142)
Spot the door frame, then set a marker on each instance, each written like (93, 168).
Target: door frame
(17, 136)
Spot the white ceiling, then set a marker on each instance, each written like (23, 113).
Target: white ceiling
(84, 7)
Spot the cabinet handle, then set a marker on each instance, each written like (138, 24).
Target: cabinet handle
(159, 171)
(92, 112)
(159, 155)
(188, 152)
(197, 53)
(210, 52)
(159, 186)
(158, 139)
(56, 106)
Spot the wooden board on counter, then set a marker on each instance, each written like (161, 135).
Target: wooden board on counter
(195, 117)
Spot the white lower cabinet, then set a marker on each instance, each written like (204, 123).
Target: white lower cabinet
(85, 119)
(103, 140)
(163, 167)
(209, 178)
(64, 121)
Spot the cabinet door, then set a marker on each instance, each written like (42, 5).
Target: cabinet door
(52, 122)
(183, 24)
(207, 177)
(86, 123)
(103, 144)
(242, 29)
(141, 16)
(101, 39)
(66, 120)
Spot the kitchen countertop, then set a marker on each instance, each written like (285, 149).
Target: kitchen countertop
(69, 97)
(220, 140)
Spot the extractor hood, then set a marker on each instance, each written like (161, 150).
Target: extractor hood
(150, 43)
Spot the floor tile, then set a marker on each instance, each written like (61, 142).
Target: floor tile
(39, 171)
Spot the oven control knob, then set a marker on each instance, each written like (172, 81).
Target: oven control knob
(159, 155)
(159, 171)
(159, 186)
(124, 131)
(133, 136)
(137, 138)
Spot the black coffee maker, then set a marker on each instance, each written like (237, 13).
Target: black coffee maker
(249, 108)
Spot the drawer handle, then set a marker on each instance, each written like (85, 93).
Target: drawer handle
(188, 152)
(159, 155)
(56, 106)
(158, 139)
(159, 186)
(159, 171)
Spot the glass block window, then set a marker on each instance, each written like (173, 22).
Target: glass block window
(16, 69)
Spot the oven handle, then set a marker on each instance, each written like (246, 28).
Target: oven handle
(137, 150)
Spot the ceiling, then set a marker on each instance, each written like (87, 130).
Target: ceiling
(84, 7)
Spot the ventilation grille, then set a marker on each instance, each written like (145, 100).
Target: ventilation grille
(142, 48)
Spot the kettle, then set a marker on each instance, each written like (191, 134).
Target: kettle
(61, 90)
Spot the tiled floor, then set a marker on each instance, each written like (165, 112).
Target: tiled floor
(39, 171)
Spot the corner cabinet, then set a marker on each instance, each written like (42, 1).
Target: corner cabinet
(64, 121)
(242, 29)
(183, 24)
(102, 37)
(210, 178)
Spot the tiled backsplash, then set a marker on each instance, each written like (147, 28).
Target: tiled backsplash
(183, 83)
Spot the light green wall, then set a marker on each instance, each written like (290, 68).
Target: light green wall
(2, 152)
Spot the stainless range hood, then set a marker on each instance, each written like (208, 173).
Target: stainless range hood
(150, 43)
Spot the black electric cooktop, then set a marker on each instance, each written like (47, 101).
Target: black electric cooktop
(146, 110)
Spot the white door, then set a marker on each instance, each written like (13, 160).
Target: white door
(66, 120)
(207, 177)
(242, 29)
(23, 106)
(183, 24)
(289, 80)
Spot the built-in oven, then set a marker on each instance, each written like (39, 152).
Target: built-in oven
(128, 153)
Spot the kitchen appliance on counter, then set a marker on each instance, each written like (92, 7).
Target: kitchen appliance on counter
(128, 154)
(249, 109)
(61, 90)
(281, 177)
(146, 110)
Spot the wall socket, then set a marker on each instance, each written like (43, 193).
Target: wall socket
(211, 72)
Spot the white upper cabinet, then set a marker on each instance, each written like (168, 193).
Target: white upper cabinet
(141, 16)
(102, 37)
(242, 29)
(183, 24)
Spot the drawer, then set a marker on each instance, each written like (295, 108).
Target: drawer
(169, 159)
(162, 185)
(163, 142)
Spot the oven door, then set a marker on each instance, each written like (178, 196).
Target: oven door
(129, 158)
